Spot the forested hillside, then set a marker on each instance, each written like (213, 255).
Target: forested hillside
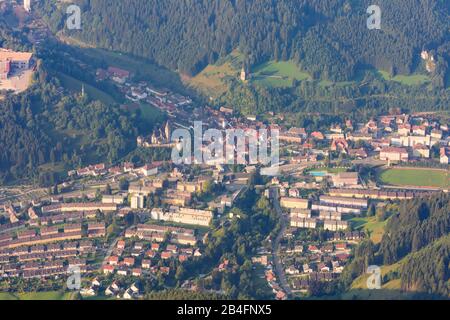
(416, 241)
(418, 223)
(328, 38)
(428, 270)
(47, 126)
(48, 129)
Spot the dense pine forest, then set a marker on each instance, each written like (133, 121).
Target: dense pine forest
(328, 38)
(48, 130)
(418, 223)
(416, 238)
(47, 126)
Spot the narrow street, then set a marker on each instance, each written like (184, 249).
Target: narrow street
(279, 270)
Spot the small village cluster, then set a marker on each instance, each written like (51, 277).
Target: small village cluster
(144, 250)
(143, 92)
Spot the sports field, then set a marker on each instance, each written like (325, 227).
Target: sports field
(418, 177)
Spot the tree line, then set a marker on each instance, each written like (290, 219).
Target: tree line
(329, 39)
(416, 237)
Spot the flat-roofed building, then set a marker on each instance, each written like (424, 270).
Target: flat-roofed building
(137, 201)
(294, 203)
(45, 231)
(183, 215)
(394, 154)
(344, 179)
(290, 138)
(421, 151)
(338, 201)
(143, 190)
(188, 186)
(300, 213)
(378, 194)
(334, 208)
(96, 229)
(115, 199)
(184, 239)
(328, 215)
(19, 60)
(334, 225)
(306, 223)
(72, 227)
(444, 154)
(76, 207)
(5, 69)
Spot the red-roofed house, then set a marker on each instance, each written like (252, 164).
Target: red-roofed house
(112, 260)
(108, 269)
(129, 262)
(339, 145)
(421, 151)
(317, 135)
(146, 264)
(120, 244)
(136, 272)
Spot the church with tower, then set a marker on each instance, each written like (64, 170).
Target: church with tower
(245, 74)
(160, 137)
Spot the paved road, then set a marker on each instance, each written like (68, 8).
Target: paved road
(112, 246)
(279, 270)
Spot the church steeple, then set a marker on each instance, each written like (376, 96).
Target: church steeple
(168, 131)
(243, 74)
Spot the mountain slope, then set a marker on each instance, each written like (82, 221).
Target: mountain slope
(414, 254)
(329, 38)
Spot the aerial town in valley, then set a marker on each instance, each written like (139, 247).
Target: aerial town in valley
(135, 226)
(129, 225)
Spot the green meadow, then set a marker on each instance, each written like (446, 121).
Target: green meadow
(278, 74)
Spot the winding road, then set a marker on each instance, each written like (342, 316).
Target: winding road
(279, 271)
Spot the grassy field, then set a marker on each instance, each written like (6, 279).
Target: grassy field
(381, 294)
(143, 69)
(50, 295)
(361, 281)
(151, 114)
(415, 177)
(410, 80)
(371, 225)
(75, 85)
(212, 80)
(278, 74)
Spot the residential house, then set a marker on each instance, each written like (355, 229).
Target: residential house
(394, 154)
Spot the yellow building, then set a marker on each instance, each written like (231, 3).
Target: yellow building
(294, 203)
